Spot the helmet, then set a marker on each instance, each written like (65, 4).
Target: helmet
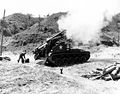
(24, 51)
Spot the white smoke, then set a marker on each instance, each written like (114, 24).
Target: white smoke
(85, 20)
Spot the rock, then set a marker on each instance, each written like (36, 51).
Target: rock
(5, 58)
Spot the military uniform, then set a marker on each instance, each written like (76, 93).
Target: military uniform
(22, 57)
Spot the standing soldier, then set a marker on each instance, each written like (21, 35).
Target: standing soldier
(22, 57)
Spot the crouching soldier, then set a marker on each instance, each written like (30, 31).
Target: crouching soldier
(22, 57)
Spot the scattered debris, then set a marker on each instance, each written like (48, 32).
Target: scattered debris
(5, 58)
(111, 72)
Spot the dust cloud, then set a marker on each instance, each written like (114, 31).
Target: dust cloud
(84, 21)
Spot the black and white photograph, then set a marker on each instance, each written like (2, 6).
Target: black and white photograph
(60, 47)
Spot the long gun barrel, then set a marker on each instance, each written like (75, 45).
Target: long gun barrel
(42, 46)
(60, 34)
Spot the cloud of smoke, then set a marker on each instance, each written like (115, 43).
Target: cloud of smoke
(85, 20)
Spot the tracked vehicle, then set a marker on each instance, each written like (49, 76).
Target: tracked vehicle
(58, 51)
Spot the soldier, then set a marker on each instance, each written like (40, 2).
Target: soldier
(61, 71)
(22, 57)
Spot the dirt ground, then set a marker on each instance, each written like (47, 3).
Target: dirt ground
(35, 78)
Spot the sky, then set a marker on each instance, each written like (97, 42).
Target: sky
(35, 7)
(44, 7)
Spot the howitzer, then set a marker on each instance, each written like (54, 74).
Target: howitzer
(57, 51)
(43, 50)
(57, 36)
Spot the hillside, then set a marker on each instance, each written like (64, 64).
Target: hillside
(110, 34)
(17, 23)
(25, 30)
